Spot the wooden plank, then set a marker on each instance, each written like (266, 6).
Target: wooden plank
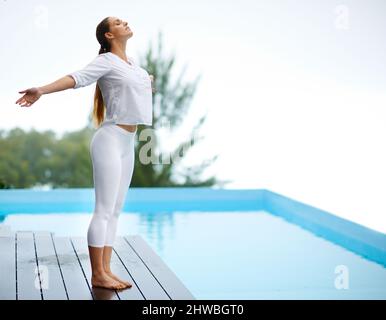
(74, 279)
(50, 274)
(144, 280)
(28, 283)
(8, 267)
(165, 276)
(81, 248)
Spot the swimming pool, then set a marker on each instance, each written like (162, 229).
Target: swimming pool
(227, 244)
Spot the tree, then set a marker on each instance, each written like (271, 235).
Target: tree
(33, 158)
(170, 104)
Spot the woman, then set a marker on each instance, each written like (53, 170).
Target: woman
(122, 99)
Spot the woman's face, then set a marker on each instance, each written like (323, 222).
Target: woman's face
(119, 28)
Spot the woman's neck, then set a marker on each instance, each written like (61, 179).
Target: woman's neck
(119, 50)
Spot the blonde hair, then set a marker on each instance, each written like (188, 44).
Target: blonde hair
(99, 106)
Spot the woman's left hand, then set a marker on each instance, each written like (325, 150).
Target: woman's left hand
(152, 83)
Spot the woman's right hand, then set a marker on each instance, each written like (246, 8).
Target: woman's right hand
(30, 97)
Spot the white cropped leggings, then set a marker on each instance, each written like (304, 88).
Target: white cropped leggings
(112, 155)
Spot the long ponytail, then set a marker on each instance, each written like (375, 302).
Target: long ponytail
(99, 106)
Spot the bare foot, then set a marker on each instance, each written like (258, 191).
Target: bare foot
(105, 281)
(125, 283)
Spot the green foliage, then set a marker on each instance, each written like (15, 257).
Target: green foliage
(38, 158)
(171, 103)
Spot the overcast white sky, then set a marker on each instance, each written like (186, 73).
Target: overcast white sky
(295, 90)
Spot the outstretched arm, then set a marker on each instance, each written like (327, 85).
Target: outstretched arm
(98, 67)
(63, 83)
(33, 94)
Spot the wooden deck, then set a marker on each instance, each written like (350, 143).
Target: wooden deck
(38, 265)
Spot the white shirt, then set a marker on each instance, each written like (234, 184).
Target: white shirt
(126, 89)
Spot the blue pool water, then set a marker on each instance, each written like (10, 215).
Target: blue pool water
(246, 254)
